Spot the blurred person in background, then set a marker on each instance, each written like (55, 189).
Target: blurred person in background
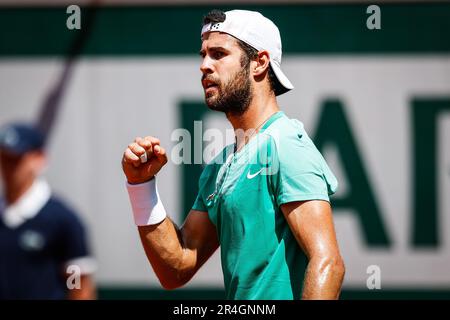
(43, 248)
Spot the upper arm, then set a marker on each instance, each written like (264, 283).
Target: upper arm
(199, 236)
(312, 224)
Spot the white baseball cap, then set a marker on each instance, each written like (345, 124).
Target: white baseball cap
(257, 31)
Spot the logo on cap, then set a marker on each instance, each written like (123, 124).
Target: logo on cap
(211, 27)
(10, 138)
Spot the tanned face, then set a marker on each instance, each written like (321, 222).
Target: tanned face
(226, 82)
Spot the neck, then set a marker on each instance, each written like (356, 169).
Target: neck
(250, 122)
(261, 107)
(13, 192)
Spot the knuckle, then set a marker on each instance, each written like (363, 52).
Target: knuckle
(130, 155)
(152, 139)
(136, 148)
(145, 143)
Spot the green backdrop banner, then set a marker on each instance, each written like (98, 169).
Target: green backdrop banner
(408, 28)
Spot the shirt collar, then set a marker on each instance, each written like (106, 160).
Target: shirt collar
(29, 204)
(269, 121)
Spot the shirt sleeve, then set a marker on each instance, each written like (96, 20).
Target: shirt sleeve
(199, 204)
(301, 172)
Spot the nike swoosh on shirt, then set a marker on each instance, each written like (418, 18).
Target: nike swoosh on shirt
(251, 176)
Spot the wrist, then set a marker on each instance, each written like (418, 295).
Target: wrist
(132, 181)
(145, 203)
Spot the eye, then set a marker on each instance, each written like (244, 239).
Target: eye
(218, 54)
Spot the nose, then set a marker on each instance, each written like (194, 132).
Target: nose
(206, 67)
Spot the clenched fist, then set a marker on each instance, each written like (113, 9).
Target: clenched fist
(143, 159)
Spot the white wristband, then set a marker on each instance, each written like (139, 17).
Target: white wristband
(146, 204)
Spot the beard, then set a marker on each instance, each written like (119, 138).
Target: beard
(232, 97)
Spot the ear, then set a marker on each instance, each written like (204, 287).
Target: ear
(261, 63)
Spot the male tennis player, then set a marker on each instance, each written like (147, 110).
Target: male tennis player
(264, 200)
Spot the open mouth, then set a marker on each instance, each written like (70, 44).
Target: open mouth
(211, 87)
(209, 84)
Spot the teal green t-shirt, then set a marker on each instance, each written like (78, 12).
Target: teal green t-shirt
(242, 193)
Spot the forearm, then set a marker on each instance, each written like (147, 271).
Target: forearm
(175, 254)
(164, 246)
(323, 279)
